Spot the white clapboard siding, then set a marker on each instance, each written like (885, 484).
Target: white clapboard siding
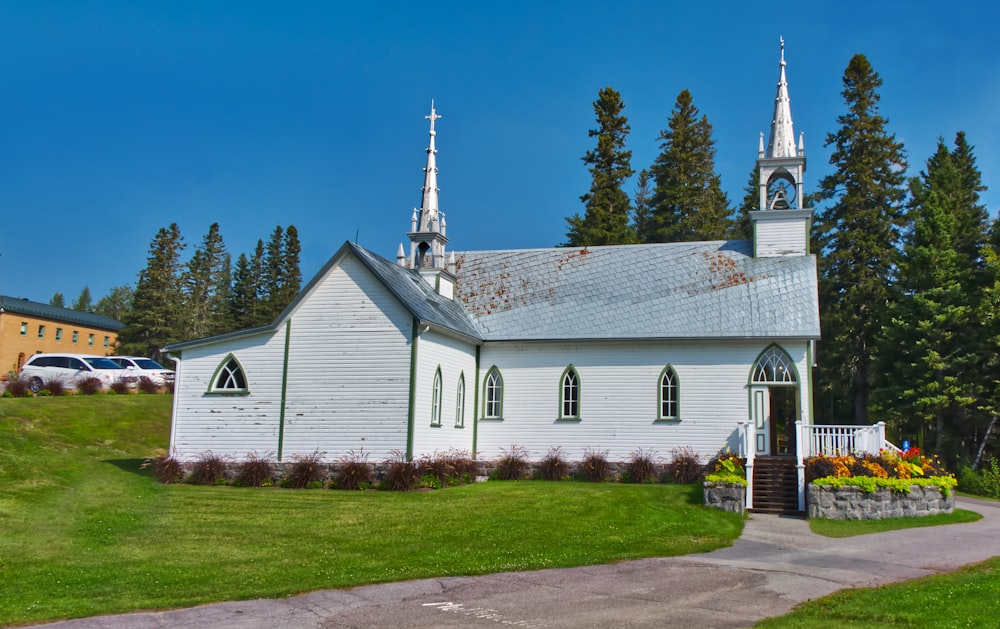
(455, 358)
(228, 425)
(348, 368)
(776, 238)
(619, 394)
(347, 384)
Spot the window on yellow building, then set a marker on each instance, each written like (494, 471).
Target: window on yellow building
(41, 331)
(90, 340)
(76, 336)
(24, 328)
(58, 334)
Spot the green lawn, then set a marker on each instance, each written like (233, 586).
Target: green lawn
(849, 528)
(85, 532)
(967, 598)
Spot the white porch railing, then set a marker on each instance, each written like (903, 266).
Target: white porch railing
(818, 440)
(814, 440)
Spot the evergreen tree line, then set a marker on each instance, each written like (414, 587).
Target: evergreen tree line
(207, 295)
(909, 268)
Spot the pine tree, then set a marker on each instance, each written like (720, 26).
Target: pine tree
(929, 342)
(116, 303)
(156, 318)
(57, 300)
(742, 229)
(688, 202)
(243, 299)
(643, 202)
(206, 280)
(274, 275)
(291, 273)
(606, 220)
(858, 235)
(83, 301)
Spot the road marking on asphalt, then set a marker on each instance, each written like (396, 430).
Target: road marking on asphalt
(483, 613)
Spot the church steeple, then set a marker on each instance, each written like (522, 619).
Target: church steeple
(780, 169)
(427, 225)
(782, 139)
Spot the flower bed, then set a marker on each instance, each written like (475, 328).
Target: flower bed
(889, 485)
(726, 486)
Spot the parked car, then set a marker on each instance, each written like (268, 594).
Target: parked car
(71, 369)
(145, 368)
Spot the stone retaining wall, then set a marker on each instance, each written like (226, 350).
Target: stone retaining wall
(850, 503)
(726, 496)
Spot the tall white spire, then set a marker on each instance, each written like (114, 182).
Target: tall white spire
(429, 200)
(782, 140)
(427, 226)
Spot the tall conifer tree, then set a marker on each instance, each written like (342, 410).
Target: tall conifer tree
(83, 301)
(607, 217)
(688, 201)
(156, 318)
(858, 234)
(206, 284)
(930, 345)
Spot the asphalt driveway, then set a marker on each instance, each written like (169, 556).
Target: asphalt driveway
(776, 563)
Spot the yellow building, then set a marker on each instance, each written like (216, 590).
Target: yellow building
(28, 327)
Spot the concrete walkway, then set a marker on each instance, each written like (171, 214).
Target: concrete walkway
(777, 563)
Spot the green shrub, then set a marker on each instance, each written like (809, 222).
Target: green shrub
(89, 386)
(305, 470)
(985, 482)
(641, 466)
(353, 471)
(553, 466)
(209, 469)
(512, 464)
(594, 467)
(255, 471)
(400, 475)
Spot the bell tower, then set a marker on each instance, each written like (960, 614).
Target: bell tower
(780, 223)
(428, 228)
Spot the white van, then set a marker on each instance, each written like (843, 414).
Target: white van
(71, 369)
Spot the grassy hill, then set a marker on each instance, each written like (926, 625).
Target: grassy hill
(87, 532)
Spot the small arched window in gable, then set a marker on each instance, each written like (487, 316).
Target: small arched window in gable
(774, 366)
(229, 377)
(569, 406)
(436, 399)
(669, 389)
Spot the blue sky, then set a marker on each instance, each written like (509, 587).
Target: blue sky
(118, 118)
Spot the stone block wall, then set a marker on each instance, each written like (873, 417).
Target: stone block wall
(726, 496)
(850, 503)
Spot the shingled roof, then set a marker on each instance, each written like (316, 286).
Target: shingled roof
(696, 290)
(55, 313)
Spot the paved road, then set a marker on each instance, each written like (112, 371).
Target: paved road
(776, 563)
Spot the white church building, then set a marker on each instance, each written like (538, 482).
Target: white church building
(698, 345)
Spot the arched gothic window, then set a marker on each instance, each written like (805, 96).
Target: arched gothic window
(460, 402)
(774, 366)
(569, 399)
(493, 398)
(669, 389)
(436, 399)
(229, 377)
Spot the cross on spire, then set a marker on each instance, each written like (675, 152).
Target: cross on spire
(434, 116)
